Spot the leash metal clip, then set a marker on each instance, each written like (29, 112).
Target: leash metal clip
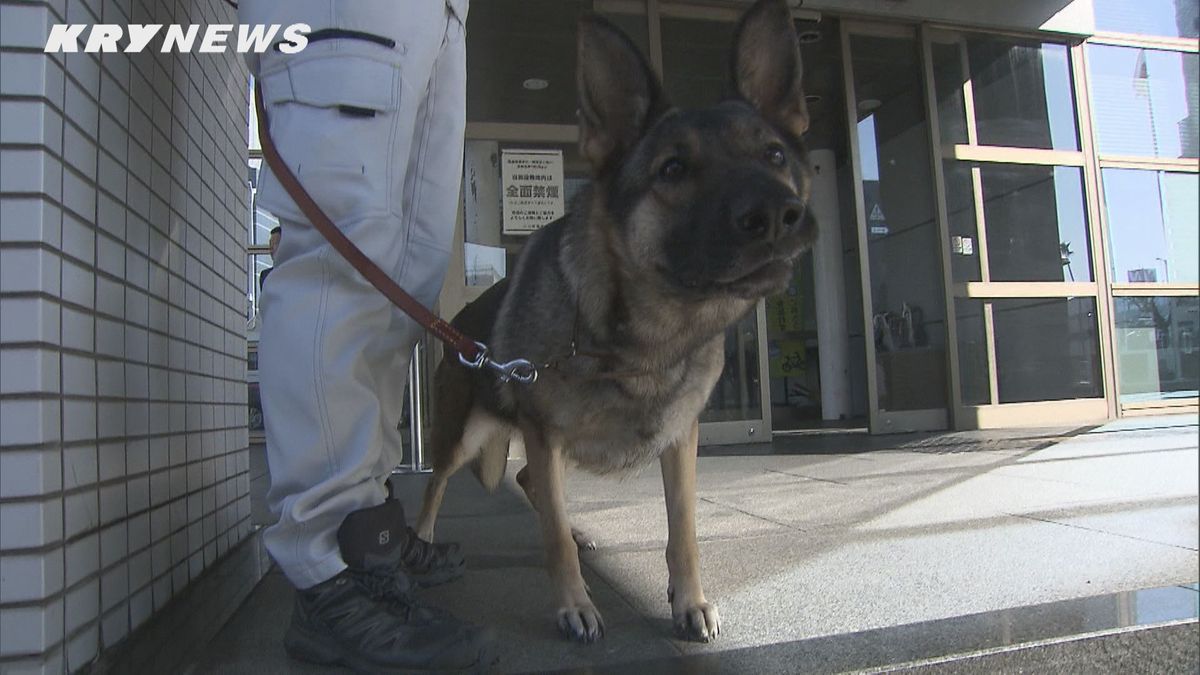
(520, 370)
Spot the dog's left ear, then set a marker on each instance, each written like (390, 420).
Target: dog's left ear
(766, 65)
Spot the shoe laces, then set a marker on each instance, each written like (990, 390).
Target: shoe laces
(384, 586)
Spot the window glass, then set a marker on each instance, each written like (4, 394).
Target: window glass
(972, 352)
(1152, 225)
(948, 82)
(906, 295)
(1145, 101)
(1036, 228)
(738, 392)
(964, 231)
(1158, 355)
(1167, 18)
(1021, 91)
(1047, 349)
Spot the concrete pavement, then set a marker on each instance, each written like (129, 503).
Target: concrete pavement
(811, 543)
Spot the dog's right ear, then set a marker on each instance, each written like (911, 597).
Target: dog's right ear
(619, 96)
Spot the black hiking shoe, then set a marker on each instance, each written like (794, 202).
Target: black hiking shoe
(426, 563)
(431, 564)
(367, 618)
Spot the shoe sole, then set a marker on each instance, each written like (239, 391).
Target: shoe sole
(322, 650)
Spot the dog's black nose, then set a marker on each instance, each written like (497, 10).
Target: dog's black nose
(770, 219)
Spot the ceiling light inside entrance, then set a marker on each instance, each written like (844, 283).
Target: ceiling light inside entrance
(535, 84)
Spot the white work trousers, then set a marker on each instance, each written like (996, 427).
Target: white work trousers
(373, 128)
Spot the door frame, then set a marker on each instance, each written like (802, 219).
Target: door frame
(887, 421)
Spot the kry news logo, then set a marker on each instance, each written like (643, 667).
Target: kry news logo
(107, 37)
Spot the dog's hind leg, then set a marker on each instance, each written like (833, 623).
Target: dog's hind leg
(481, 432)
(584, 542)
(435, 490)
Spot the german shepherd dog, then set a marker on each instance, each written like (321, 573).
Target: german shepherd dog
(691, 218)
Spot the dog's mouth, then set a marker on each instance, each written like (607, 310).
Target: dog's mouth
(770, 273)
(761, 270)
(770, 277)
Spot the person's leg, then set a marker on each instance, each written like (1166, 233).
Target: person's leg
(343, 114)
(323, 324)
(430, 197)
(430, 194)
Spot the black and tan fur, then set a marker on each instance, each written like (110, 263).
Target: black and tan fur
(692, 217)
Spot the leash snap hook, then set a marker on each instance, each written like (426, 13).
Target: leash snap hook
(519, 370)
(480, 358)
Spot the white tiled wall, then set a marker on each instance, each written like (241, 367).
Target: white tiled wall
(123, 444)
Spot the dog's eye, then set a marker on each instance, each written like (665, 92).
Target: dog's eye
(776, 156)
(672, 169)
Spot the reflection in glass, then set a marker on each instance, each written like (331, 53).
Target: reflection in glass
(1166, 18)
(972, 352)
(1145, 102)
(1036, 228)
(738, 394)
(1152, 225)
(1158, 347)
(1047, 349)
(948, 79)
(906, 294)
(1021, 90)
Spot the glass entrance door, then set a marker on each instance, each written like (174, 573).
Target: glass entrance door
(900, 243)
(735, 411)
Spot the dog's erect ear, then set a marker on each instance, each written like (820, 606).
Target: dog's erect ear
(619, 96)
(766, 65)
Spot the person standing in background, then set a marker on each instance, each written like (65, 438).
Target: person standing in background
(273, 244)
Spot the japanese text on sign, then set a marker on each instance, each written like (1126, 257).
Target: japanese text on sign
(531, 189)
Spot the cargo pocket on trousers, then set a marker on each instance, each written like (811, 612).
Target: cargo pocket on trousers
(332, 116)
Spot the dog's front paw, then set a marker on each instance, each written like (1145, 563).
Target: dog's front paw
(699, 622)
(581, 622)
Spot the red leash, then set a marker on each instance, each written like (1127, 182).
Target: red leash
(471, 353)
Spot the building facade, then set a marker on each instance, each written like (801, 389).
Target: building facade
(1007, 196)
(124, 461)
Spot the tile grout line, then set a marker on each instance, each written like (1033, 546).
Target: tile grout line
(1098, 531)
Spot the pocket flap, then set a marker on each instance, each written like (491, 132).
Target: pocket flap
(332, 80)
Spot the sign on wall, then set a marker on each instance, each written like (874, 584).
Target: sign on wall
(531, 183)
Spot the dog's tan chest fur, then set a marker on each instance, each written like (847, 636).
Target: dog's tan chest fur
(655, 412)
